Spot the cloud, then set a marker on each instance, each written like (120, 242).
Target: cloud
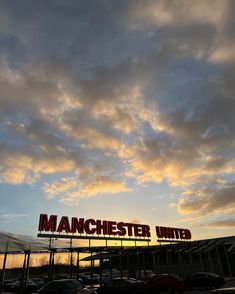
(136, 221)
(57, 187)
(167, 13)
(98, 186)
(98, 94)
(23, 167)
(226, 223)
(217, 199)
(7, 217)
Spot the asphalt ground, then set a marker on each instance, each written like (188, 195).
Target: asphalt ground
(229, 283)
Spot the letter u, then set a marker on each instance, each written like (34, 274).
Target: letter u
(160, 232)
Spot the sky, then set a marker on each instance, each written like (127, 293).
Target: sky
(119, 110)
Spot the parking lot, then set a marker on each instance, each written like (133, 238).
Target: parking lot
(229, 283)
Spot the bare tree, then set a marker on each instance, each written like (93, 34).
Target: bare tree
(43, 261)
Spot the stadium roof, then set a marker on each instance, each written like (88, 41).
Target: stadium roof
(20, 243)
(14, 243)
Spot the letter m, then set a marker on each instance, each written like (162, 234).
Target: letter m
(47, 225)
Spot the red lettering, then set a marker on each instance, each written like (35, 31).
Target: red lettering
(182, 234)
(177, 236)
(173, 233)
(129, 229)
(64, 225)
(169, 233)
(137, 230)
(188, 234)
(87, 224)
(112, 228)
(91, 226)
(45, 225)
(101, 227)
(160, 232)
(77, 225)
(146, 231)
(122, 230)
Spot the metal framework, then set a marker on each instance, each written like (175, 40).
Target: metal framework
(215, 255)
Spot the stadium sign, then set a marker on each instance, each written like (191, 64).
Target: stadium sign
(173, 233)
(79, 228)
(92, 229)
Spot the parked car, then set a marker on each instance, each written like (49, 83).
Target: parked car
(15, 285)
(203, 280)
(165, 282)
(65, 286)
(62, 277)
(86, 279)
(31, 287)
(145, 275)
(223, 291)
(122, 286)
(106, 275)
(105, 278)
(39, 282)
(11, 285)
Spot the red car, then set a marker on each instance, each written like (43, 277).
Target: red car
(165, 282)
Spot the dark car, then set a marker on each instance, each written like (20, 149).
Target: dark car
(86, 279)
(31, 287)
(203, 280)
(39, 282)
(122, 286)
(165, 282)
(65, 286)
(12, 285)
(223, 291)
(16, 285)
(61, 277)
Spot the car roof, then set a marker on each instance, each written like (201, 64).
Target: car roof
(224, 290)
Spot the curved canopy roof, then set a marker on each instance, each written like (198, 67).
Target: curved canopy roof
(20, 243)
(14, 243)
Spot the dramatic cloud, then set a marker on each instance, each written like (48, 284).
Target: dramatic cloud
(100, 96)
(7, 217)
(227, 223)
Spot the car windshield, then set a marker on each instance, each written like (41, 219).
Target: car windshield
(134, 281)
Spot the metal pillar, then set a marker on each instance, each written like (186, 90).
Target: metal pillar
(167, 261)
(228, 262)
(138, 263)
(219, 260)
(51, 265)
(91, 271)
(154, 262)
(71, 265)
(128, 265)
(78, 265)
(27, 270)
(71, 259)
(158, 263)
(180, 263)
(110, 265)
(23, 274)
(144, 264)
(101, 268)
(120, 263)
(201, 261)
(4, 266)
(210, 261)
(190, 261)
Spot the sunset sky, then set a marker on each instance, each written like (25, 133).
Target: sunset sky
(119, 110)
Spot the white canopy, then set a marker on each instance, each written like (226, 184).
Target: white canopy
(19, 243)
